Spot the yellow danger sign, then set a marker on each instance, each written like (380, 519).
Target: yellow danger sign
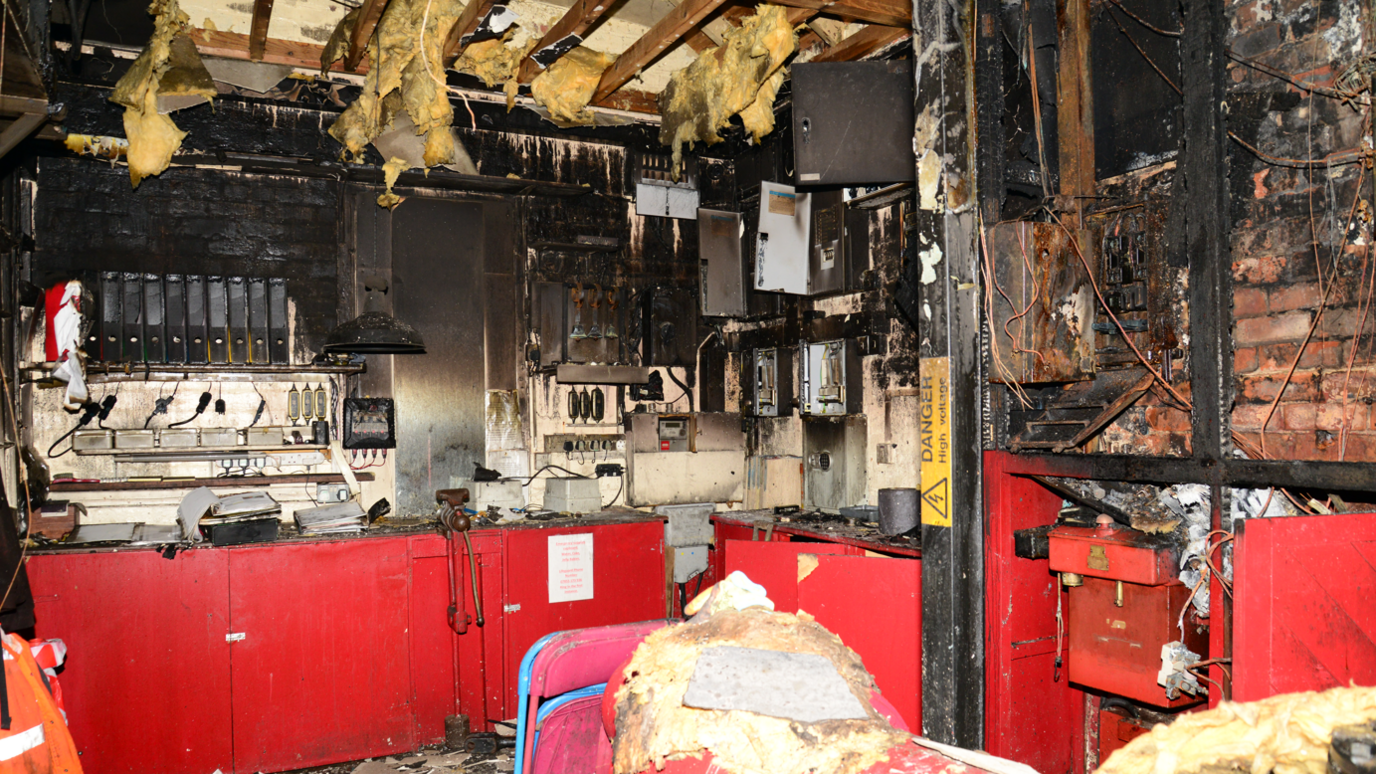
(934, 435)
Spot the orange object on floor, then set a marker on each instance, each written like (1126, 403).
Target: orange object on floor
(37, 741)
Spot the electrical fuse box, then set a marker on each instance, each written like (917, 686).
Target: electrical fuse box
(369, 423)
(829, 375)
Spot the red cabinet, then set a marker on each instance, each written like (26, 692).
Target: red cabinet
(514, 575)
(873, 603)
(296, 654)
(147, 680)
(323, 663)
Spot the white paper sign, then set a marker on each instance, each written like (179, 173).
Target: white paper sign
(570, 567)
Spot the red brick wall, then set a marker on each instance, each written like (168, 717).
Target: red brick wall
(1290, 242)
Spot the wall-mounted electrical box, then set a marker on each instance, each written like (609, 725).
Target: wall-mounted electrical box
(1043, 314)
(834, 462)
(826, 258)
(769, 382)
(853, 122)
(829, 378)
(671, 327)
(579, 323)
(659, 194)
(369, 423)
(684, 458)
(723, 267)
(781, 254)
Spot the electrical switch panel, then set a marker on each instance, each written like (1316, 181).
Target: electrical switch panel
(781, 254)
(829, 378)
(770, 380)
(369, 423)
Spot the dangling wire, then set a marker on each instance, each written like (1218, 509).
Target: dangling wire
(1060, 633)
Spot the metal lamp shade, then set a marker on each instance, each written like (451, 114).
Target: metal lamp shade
(375, 333)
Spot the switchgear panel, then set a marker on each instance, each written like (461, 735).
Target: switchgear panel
(770, 377)
(829, 378)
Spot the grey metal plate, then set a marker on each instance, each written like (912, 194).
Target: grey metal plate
(798, 686)
(853, 122)
(723, 268)
(437, 260)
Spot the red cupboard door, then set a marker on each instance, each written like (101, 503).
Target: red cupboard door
(774, 565)
(874, 604)
(1303, 618)
(147, 677)
(628, 586)
(322, 672)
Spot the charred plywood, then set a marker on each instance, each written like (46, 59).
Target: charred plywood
(1040, 308)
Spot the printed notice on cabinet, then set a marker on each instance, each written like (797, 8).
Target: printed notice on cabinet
(570, 567)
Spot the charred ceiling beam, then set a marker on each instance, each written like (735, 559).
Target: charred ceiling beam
(258, 30)
(655, 41)
(563, 37)
(889, 13)
(468, 22)
(862, 44)
(363, 31)
(1075, 106)
(234, 45)
(19, 129)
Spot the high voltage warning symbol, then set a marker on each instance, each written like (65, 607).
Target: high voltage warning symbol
(934, 440)
(938, 498)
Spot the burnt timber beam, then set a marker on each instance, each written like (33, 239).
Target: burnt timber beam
(1241, 473)
(19, 129)
(1204, 203)
(1075, 105)
(862, 44)
(258, 29)
(464, 26)
(951, 383)
(564, 36)
(233, 45)
(654, 42)
(886, 12)
(363, 31)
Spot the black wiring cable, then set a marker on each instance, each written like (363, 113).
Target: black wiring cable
(621, 482)
(160, 405)
(686, 392)
(532, 476)
(200, 409)
(88, 413)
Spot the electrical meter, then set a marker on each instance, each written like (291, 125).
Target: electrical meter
(830, 378)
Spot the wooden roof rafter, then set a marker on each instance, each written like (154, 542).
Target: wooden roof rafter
(473, 15)
(658, 39)
(862, 44)
(368, 18)
(258, 29)
(565, 35)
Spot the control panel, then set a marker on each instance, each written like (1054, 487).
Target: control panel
(369, 423)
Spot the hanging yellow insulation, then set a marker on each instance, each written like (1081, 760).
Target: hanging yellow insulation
(153, 137)
(1286, 734)
(390, 172)
(653, 725)
(742, 75)
(337, 47)
(495, 61)
(405, 60)
(568, 85)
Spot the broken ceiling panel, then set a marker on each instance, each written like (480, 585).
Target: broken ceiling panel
(739, 76)
(568, 85)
